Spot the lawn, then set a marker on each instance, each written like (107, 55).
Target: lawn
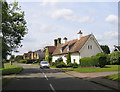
(92, 69)
(11, 69)
(115, 77)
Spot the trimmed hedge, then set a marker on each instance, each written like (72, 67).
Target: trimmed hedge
(100, 60)
(29, 61)
(22, 61)
(60, 65)
(75, 65)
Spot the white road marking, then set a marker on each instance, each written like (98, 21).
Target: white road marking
(45, 76)
(52, 88)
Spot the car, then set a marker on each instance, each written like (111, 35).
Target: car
(36, 61)
(44, 64)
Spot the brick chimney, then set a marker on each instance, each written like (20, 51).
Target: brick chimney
(64, 40)
(55, 42)
(79, 35)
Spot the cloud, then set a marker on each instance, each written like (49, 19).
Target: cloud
(110, 35)
(48, 2)
(68, 14)
(112, 19)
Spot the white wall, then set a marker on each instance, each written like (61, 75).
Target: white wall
(76, 57)
(58, 56)
(85, 52)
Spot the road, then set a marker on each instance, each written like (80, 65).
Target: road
(34, 78)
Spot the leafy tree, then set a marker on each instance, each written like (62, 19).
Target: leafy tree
(12, 59)
(105, 49)
(46, 55)
(115, 57)
(13, 28)
(68, 58)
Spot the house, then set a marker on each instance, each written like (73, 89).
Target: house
(83, 46)
(27, 55)
(19, 57)
(116, 48)
(50, 49)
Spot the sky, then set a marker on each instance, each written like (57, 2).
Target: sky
(48, 20)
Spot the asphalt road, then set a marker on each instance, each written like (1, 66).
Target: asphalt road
(34, 78)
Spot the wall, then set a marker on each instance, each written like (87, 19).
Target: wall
(76, 57)
(85, 52)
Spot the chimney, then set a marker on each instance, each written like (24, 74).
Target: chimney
(55, 42)
(79, 35)
(64, 40)
(59, 40)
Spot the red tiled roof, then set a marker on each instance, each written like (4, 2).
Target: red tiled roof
(74, 45)
(51, 48)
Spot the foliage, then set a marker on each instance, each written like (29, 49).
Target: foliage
(12, 57)
(75, 65)
(18, 58)
(115, 57)
(114, 77)
(22, 61)
(11, 69)
(68, 58)
(102, 59)
(60, 65)
(46, 55)
(105, 49)
(99, 60)
(13, 28)
(29, 61)
(70, 64)
(107, 68)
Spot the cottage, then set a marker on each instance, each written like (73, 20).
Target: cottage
(116, 48)
(83, 46)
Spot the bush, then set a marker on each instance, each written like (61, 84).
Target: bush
(99, 60)
(102, 59)
(53, 63)
(29, 61)
(68, 58)
(115, 58)
(70, 65)
(75, 65)
(22, 61)
(60, 65)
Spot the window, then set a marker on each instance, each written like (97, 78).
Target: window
(89, 46)
(74, 60)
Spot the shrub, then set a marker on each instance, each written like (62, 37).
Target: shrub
(102, 59)
(115, 58)
(70, 65)
(75, 65)
(29, 61)
(68, 58)
(53, 63)
(22, 61)
(60, 65)
(99, 60)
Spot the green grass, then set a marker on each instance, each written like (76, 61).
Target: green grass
(11, 69)
(115, 77)
(91, 69)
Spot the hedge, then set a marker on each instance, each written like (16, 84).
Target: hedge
(99, 60)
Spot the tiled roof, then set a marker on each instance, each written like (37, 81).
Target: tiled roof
(74, 45)
(51, 48)
(118, 47)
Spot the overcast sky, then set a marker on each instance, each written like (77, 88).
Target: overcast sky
(49, 20)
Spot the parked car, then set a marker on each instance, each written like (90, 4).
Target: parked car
(44, 64)
(36, 61)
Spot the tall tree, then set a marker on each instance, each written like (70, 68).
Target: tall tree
(13, 28)
(105, 49)
(46, 54)
(68, 58)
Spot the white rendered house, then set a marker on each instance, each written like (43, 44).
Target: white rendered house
(83, 46)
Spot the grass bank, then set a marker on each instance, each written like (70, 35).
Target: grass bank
(107, 68)
(11, 69)
(115, 77)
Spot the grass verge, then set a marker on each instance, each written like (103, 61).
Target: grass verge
(107, 68)
(11, 69)
(36, 64)
(115, 77)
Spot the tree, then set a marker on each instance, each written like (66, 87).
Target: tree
(12, 59)
(68, 58)
(115, 58)
(13, 28)
(105, 49)
(46, 54)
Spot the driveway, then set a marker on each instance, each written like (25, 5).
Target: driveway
(34, 78)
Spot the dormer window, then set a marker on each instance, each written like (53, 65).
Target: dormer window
(89, 46)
